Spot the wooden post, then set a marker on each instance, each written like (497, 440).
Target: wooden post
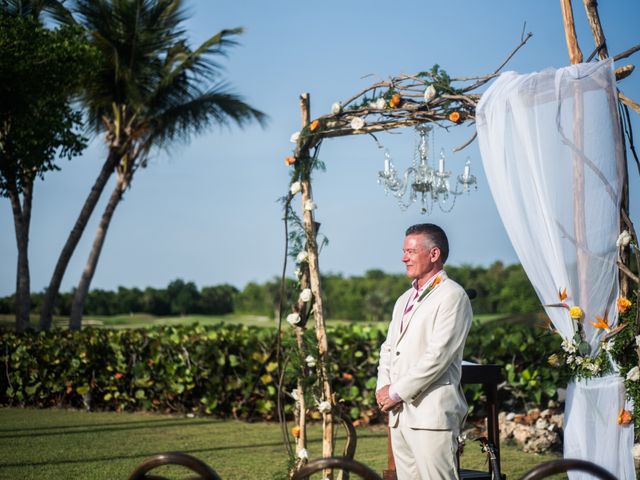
(575, 55)
(591, 7)
(314, 279)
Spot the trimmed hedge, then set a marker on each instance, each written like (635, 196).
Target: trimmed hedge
(230, 371)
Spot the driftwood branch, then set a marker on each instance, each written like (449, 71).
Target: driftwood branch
(624, 269)
(575, 54)
(627, 101)
(626, 53)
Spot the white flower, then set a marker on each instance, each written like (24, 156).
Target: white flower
(309, 205)
(570, 359)
(297, 272)
(593, 367)
(607, 346)
(295, 188)
(310, 361)
(324, 407)
(636, 450)
(623, 239)
(637, 340)
(303, 256)
(380, 104)
(294, 395)
(336, 108)
(293, 319)
(429, 93)
(357, 123)
(303, 454)
(305, 295)
(634, 374)
(579, 360)
(294, 137)
(568, 345)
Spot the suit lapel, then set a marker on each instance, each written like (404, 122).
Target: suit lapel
(424, 297)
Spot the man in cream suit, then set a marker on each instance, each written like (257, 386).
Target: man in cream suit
(420, 361)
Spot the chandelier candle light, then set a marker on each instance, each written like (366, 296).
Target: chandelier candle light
(423, 180)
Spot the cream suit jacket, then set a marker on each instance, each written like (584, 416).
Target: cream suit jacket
(423, 362)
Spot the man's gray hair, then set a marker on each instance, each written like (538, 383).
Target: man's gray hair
(435, 235)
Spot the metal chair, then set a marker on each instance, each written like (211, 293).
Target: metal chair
(204, 471)
(336, 463)
(561, 466)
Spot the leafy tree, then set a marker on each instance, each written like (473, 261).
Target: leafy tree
(217, 300)
(150, 89)
(38, 123)
(183, 297)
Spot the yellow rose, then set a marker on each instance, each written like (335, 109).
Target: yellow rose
(576, 313)
(554, 360)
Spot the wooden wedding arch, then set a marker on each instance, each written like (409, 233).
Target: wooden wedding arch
(402, 101)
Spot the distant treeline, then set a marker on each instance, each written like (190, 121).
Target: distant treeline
(499, 289)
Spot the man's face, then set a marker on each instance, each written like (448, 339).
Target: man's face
(421, 261)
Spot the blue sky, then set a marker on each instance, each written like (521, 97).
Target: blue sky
(207, 211)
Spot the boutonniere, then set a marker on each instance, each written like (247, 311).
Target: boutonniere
(433, 285)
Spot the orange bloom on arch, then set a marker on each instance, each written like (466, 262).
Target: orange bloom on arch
(455, 117)
(395, 101)
(562, 294)
(314, 125)
(295, 431)
(624, 417)
(290, 160)
(601, 322)
(623, 304)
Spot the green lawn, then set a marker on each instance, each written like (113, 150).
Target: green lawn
(62, 444)
(140, 320)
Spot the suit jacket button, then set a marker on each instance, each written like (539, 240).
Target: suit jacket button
(397, 353)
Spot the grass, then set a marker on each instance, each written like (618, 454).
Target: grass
(62, 444)
(141, 320)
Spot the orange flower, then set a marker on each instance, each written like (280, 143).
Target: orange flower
(562, 294)
(118, 375)
(295, 431)
(601, 322)
(314, 125)
(454, 117)
(624, 417)
(395, 101)
(623, 304)
(436, 282)
(290, 160)
(347, 376)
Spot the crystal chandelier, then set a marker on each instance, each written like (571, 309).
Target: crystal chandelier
(423, 181)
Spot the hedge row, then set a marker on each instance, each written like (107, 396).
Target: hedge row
(231, 370)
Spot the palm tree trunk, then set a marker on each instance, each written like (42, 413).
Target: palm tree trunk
(22, 220)
(80, 295)
(46, 312)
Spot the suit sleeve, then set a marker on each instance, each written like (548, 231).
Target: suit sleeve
(384, 364)
(452, 323)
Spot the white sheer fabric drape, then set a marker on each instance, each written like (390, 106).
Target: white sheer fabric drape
(551, 147)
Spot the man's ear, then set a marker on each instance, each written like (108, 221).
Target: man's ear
(435, 254)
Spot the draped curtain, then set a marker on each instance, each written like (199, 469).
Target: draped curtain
(553, 156)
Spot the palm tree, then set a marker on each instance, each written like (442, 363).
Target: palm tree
(38, 120)
(151, 89)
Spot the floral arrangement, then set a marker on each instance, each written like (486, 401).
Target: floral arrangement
(620, 345)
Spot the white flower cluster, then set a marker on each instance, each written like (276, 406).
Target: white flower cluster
(294, 137)
(429, 93)
(624, 239)
(305, 295)
(310, 361)
(293, 319)
(324, 407)
(357, 123)
(569, 346)
(295, 188)
(309, 205)
(303, 256)
(634, 374)
(378, 104)
(336, 108)
(303, 454)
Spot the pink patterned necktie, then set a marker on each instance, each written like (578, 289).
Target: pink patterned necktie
(408, 308)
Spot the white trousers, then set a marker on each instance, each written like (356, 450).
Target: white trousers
(424, 454)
